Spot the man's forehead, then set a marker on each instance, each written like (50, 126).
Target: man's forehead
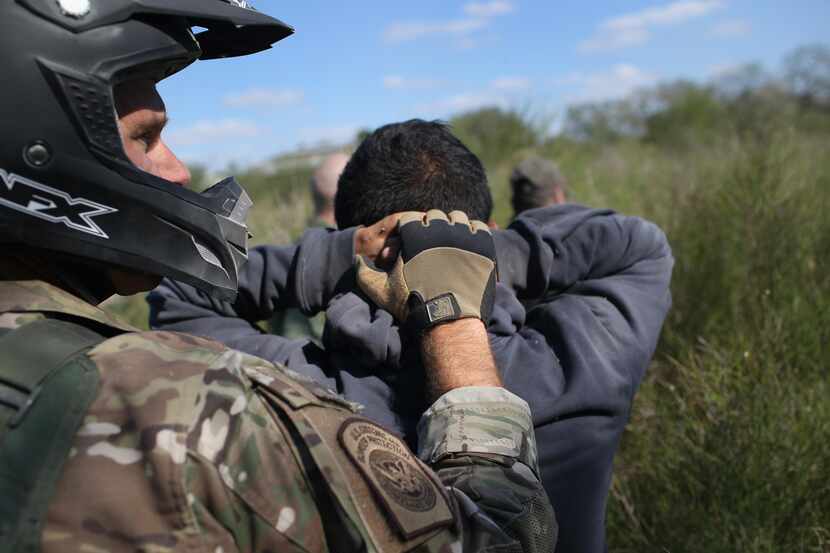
(135, 96)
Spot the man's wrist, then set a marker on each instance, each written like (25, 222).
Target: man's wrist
(457, 354)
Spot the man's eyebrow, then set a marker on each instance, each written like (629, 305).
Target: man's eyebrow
(154, 125)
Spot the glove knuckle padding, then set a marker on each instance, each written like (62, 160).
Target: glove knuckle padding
(411, 217)
(436, 215)
(459, 218)
(416, 239)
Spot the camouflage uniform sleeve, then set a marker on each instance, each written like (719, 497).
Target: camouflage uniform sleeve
(178, 453)
(480, 442)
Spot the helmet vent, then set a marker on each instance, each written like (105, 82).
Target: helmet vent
(92, 106)
(206, 254)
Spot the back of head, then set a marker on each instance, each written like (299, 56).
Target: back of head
(411, 166)
(536, 182)
(324, 180)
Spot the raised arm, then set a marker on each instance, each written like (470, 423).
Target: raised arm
(266, 284)
(306, 276)
(596, 285)
(477, 436)
(303, 275)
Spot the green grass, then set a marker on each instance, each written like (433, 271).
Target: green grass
(728, 448)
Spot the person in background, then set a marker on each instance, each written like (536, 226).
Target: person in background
(536, 182)
(291, 323)
(323, 187)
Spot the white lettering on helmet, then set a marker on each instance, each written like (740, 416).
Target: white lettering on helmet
(49, 204)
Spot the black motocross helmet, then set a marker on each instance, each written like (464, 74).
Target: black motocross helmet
(65, 182)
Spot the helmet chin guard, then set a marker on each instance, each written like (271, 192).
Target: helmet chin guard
(65, 182)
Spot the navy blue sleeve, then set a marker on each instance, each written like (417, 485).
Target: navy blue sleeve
(306, 276)
(178, 307)
(590, 279)
(594, 286)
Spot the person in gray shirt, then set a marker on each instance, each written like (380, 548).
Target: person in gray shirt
(536, 182)
(292, 323)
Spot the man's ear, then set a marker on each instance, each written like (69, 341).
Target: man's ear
(493, 225)
(559, 196)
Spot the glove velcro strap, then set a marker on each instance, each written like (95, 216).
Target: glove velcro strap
(440, 309)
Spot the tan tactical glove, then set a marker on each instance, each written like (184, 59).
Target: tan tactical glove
(446, 270)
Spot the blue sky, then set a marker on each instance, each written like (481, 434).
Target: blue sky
(352, 65)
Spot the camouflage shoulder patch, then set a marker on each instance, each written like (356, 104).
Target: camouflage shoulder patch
(27, 296)
(414, 502)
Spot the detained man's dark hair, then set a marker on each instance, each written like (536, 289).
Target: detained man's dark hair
(411, 166)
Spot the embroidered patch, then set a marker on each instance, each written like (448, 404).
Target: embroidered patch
(402, 481)
(412, 499)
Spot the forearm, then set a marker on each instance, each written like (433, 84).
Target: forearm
(549, 250)
(479, 439)
(457, 355)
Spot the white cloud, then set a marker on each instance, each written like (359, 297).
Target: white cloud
(466, 43)
(394, 81)
(214, 131)
(721, 70)
(634, 28)
(328, 135)
(620, 80)
(499, 92)
(734, 28)
(614, 40)
(264, 98)
(488, 9)
(511, 84)
(406, 31)
(478, 16)
(219, 161)
(462, 102)
(676, 12)
(397, 82)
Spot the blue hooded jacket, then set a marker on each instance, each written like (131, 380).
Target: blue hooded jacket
(582, 297)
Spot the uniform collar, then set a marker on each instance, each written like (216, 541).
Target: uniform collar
(37, 296)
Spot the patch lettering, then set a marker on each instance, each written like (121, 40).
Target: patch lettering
(50, 204)
(412, 499)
